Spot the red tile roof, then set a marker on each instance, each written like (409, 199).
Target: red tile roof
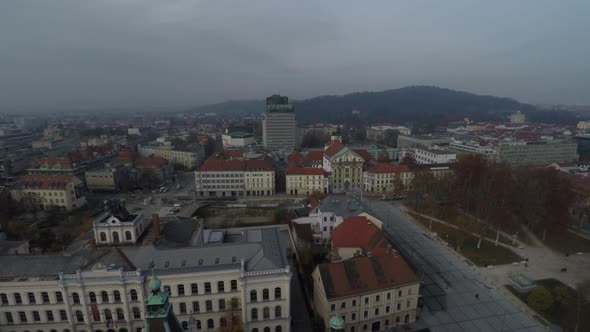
(151, 162)
(222, 165)
(258, 165)
(387, 168)
(312, 156)
(333, 147)
(53, 162)
(360, 232)
(364, 154)
(294, 158)
(364, 274)
(45, 182)
(126, 154)
(306, 171)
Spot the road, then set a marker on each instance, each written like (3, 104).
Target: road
(450, 285)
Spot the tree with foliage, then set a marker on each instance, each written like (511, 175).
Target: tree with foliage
(561, 295)
(540, 299)
(233, 318)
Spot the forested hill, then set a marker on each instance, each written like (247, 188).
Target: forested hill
(426, 104)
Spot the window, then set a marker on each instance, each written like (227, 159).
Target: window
(399, 306)
(36, 316)
(399, 293)
(49, 315)
(105, 297)
(234, 303)
(278, 311)
(332, 307)
(353, 316)
(182, 307)
(376, 311)
(45, 297)
(221, 304)
(407, 319)
(267, 329)
(377, 298)
(387, 309)
(133, 294)
(75, 298)
(180, 290)
(365, 327)
(343, 305)
(22, 316)
(366, 314)
(103, 237)
(207, 287)
(196, 306)
(209, 305)
(117, 296)
(128, 235)
(277, 292)
(408, 304)
(222, 322)
(120, 315)
(63, 315)
(254, 314)
(108, 315)
(167, 290)
(253, 296)
(210, 324)
(354, 303)
(366, 300)
(265, 294)
(220, 287)
(234, 285)
(18, 299)
(352, 329)
(387, 323)
(79, 316)
(388, 296)
(92, 297)
(397, 319)
(265, 313)
(3, 298)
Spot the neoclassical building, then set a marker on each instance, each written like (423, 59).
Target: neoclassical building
(234, 276)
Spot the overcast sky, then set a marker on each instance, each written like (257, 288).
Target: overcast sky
(125, 53)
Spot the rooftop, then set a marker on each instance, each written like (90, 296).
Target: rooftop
(359, 232)
(342, 205)
(45, 182)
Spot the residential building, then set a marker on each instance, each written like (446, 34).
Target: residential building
(433, 155)
(306, 180)
(57, 166)
(105, 179)
(189, 158)
(279, 126)
(583, 125)
(517, 117)
(410, 141)
(44, 191)
(232, 178)
(245, 278)
(370, 293)
(386, 178)
(237, 137)
(117, 226)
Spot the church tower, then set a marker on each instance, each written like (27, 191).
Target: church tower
(159, 315)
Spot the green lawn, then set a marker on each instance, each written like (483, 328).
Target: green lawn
(487, 254)
(564, 315)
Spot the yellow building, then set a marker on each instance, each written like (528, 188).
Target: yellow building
(306, 180)
(187, 159)
(345, 166)
(386, 178)
(104, 179)
(43, 191)
(259, 178)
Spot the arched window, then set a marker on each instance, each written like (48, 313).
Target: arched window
(117, 296)
(265, 295)
(120, 314)
(75, 298)
(105, 297)
(108, 315)
(133, 294)
(278, 311)
(136, 313)
(254, 314)
(386, 322)
(92, 297)
(198, 324)
(128, 236)
(267, 329)
(79, 316)
(253, 296)
(278, 293)
(103, 237)
(266, 313)
(185, 325)
(116, 237)
(279, 329)
(210, 324)
(255, 330)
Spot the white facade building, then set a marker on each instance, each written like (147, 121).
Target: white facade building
(427, 156)
(112, 230)
(279, 127)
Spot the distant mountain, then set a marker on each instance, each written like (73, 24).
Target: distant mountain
(422, 104)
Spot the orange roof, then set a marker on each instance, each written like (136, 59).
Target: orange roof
(305, 171)
(213, 164)
(294, 158)
(360, 232)
(365, 274)
(387, 168)
(314, 156)
(258, 165)
(151, 162)
(46, 182)
(333, 147)
(364, 154)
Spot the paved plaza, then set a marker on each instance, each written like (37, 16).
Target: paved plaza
(455, 296)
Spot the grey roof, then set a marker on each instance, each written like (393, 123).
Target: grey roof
(342, 205)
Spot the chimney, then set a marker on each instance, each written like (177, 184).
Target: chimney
(156, 223)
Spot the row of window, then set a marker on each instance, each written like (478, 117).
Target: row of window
(92, 297)
(377, 311)
(265, 294)
(397, 322)
(128, 236)
(35, 316)
(377, 299)
(266, 313)
(194, 287)
(221, 306)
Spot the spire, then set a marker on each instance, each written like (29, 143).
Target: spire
(155, 283)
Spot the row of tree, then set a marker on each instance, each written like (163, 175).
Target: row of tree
(498, 196)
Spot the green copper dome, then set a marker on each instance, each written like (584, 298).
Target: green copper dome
(155, 284)
(337, 323)
(567, 133)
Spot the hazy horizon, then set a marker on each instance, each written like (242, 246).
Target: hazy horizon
(68, 54)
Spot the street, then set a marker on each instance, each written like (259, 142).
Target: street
(455, 296)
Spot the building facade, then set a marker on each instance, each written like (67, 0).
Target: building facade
(306, 180)
(233, 178)
(433, 156)
(189, 159)
(386, 178)
(105, 179)
(43, 191)
(116, 229)
(279, 126)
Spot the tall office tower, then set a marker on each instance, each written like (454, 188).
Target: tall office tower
(279, 124)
